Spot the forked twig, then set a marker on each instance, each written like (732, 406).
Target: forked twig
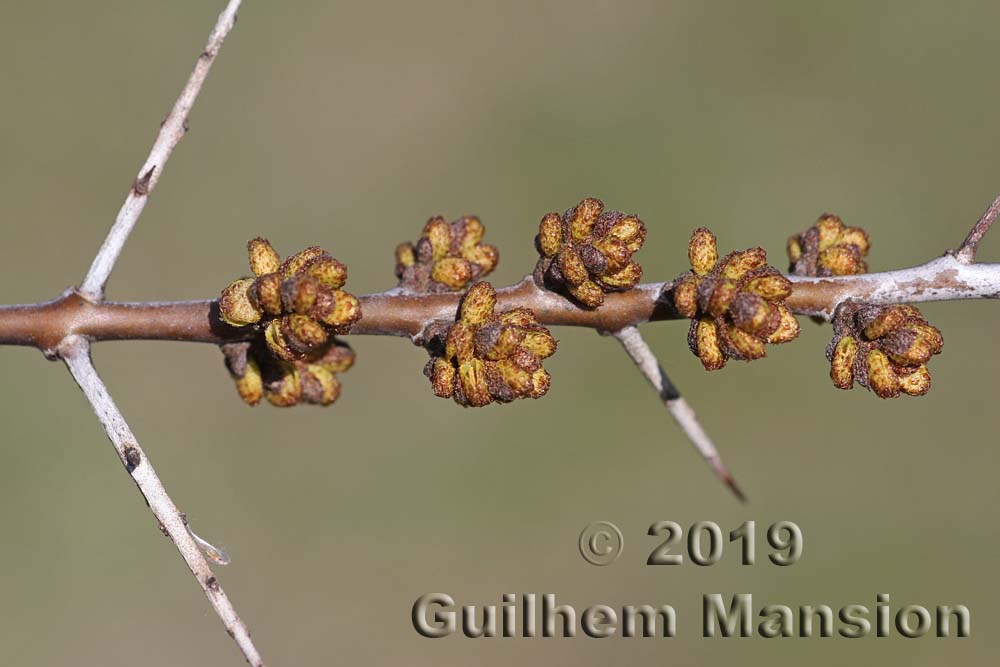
(75, 351)
(171, 132)
(74, 348)
(680, 409)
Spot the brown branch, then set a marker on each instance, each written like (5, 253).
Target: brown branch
(394, 313)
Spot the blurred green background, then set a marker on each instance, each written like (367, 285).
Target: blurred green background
(348, 124)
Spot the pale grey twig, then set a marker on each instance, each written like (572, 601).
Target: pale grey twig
(75, 351)
(682, 412)
(172, 130)
(966, 254)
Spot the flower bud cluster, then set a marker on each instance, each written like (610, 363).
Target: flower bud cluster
(587, 252)
(258, 374)
(446, 257)
(485, 357)
(299, 305)
(829, 248)
(736, 304)
(883, 348)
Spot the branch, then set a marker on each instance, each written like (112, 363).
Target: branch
(395, 313)
(682, 412)
(172, 130)
(966, 254)
(75, 351)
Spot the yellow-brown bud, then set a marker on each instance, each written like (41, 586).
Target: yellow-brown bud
(629, 230)
(486, 257)
(615, 254)
(338, 358)
(794, 249)
(715, 295)
(571, 265)
(540, 343)
(263, 258)
(267, 292)
(438, 233)
(916, 383)
(337, 309)
(298, 294)
(881, 377)
(454, 272)
(907, 347)
(274, 336)
(888, 319)
(588, 293)
(303, 334)
(250, 387)
(842, 363)
(327, 271)
(703, 252)
(830, 227)
(705, 343)
(285, 391)
(478, 304)
(297, 262)
(743, 345)
(788, 327)
(754, 315)
(471, 234)
(472, 376)
(857, 237)
(518, 317)
(582, 218)
(319, 385)
(442, 376)
(540, 383)
(460, 342)
(550, 234)
(405, 255)
(626, 278)
(685, 293)
(774, 287)
(736, 264)
(236, 305)
(842, 260)
(518, 379)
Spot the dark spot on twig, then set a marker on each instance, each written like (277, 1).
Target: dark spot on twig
(212, 584)
(141, 185)
(163, 529)
(132, 458)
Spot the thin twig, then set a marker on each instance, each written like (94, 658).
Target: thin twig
(75, 351)
(966, 254)
(682, 412)
(171, 132)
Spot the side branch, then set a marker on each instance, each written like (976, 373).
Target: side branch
(966, 254)
(682, 412)
(75, 351)
(171, 132)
